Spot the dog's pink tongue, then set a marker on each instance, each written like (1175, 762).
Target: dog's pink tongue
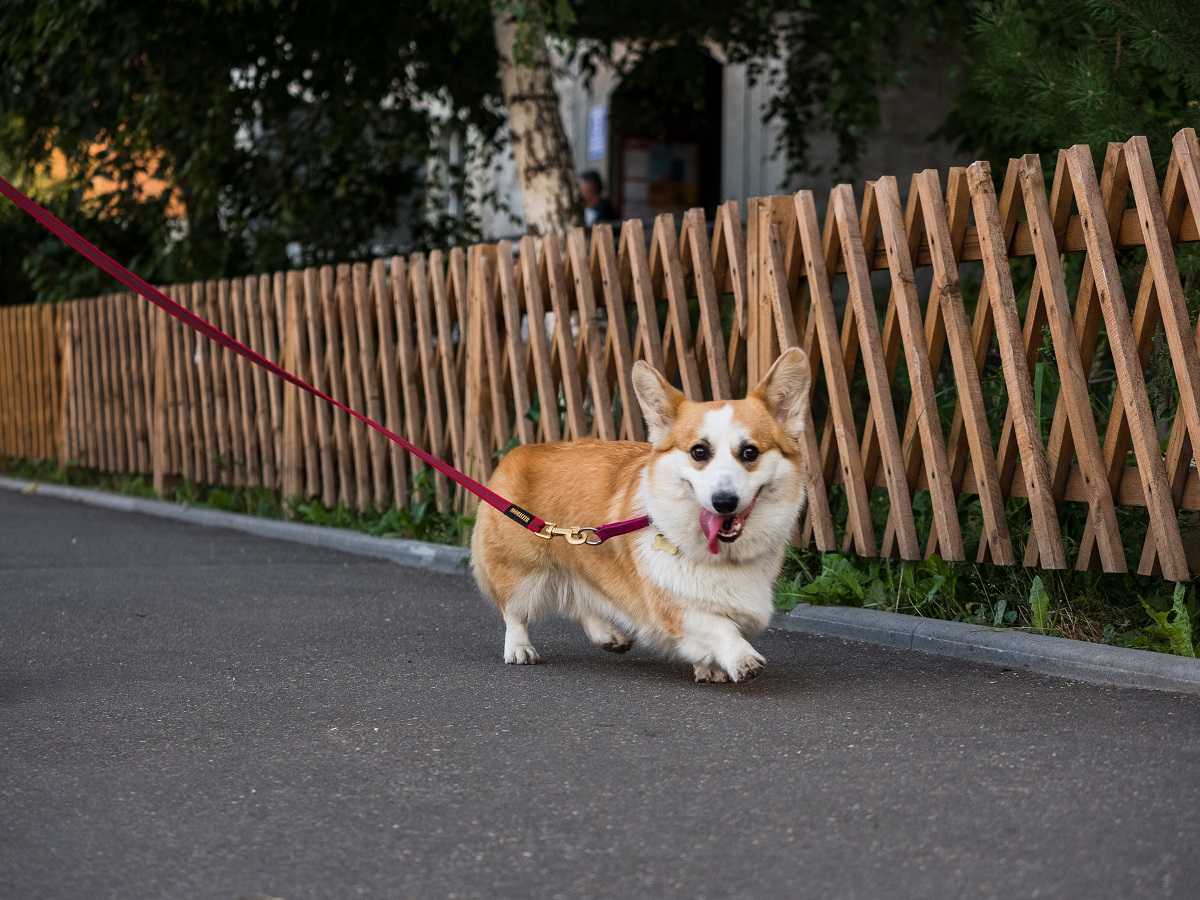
(710, 524)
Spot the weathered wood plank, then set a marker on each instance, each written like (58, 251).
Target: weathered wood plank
(368, 359)
(258, 291)
(547, 390)
(605, 269)
(510, 304)
(419, 281)
(1073, 379)
(347, 358)
(1164, 523)
(389, 378)
(841, 411)
(861, 297)
(589, 334)
(923, 408)
(1045, 528)
(966, 372)
(313, 306)
(329, 358)
(774, 278)
(445, 303)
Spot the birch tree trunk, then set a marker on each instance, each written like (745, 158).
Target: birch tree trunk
(549, 196)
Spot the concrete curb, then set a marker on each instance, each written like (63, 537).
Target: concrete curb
(1059, 657)
(438, 557)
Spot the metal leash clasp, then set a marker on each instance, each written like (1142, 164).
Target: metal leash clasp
(574, 534)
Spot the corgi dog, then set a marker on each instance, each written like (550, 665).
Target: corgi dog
(723, 484)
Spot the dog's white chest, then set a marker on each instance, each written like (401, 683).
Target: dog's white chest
(738, 591)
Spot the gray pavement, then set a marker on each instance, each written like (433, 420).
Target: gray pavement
(191, 712)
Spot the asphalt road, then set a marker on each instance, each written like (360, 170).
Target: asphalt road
(193, 713)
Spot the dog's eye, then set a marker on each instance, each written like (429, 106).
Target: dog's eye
(699, 453)
(749, 453)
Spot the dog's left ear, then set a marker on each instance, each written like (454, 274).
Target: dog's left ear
(785, 391)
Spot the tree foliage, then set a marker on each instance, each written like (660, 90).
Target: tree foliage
(276, 122)
(1054, 73)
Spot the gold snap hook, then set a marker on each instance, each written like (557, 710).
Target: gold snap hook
(574, 534)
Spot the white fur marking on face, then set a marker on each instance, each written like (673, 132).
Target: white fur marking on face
(723, 473)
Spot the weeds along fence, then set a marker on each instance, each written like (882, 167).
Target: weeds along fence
(1044, 414)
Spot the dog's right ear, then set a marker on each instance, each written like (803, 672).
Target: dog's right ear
(660, 402)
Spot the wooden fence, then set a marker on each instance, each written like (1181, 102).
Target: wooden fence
(469, 352)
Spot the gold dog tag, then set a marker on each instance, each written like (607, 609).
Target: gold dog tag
(661, 543)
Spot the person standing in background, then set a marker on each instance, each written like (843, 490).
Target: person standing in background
(596, 207)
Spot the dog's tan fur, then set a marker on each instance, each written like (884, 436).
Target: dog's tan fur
(691, 604)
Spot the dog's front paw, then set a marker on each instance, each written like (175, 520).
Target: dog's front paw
(521, 655)
(709, 674)
(749, 666)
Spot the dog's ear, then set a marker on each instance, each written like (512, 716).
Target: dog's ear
(660, 402)
(785, 391)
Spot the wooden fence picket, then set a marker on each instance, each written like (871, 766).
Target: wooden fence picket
(477, 418)
(182, 459)
(365, 353)
(1073, 379)
(1019, 383)
(966, 372)
(238, 301)
(429, 364)
(490, 317)
(324, 332)
(923, 412)
(293, 454)
(605, 271)
(320, 452)
(549, 424)
(258, 290)
(694, 245)
(833, 363)
(666, 274)
(1185, 163)
(443, 292)
(1130, 377)
(410, 376)
(273, 292)
(515, 348)
(390, 377)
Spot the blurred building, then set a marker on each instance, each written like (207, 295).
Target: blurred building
(656, 160)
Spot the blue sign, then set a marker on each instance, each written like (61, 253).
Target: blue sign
(597, 131)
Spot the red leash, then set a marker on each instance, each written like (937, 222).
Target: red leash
(541, 527)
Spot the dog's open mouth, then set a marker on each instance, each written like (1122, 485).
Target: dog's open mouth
(723, 529)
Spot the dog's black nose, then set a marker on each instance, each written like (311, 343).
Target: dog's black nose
(725, 502)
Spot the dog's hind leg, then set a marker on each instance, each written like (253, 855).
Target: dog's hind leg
(604, 634)
(517, 647)
(533, 599)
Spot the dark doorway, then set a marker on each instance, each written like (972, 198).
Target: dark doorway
(666, 134)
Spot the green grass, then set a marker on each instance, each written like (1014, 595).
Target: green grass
(1121, 610)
